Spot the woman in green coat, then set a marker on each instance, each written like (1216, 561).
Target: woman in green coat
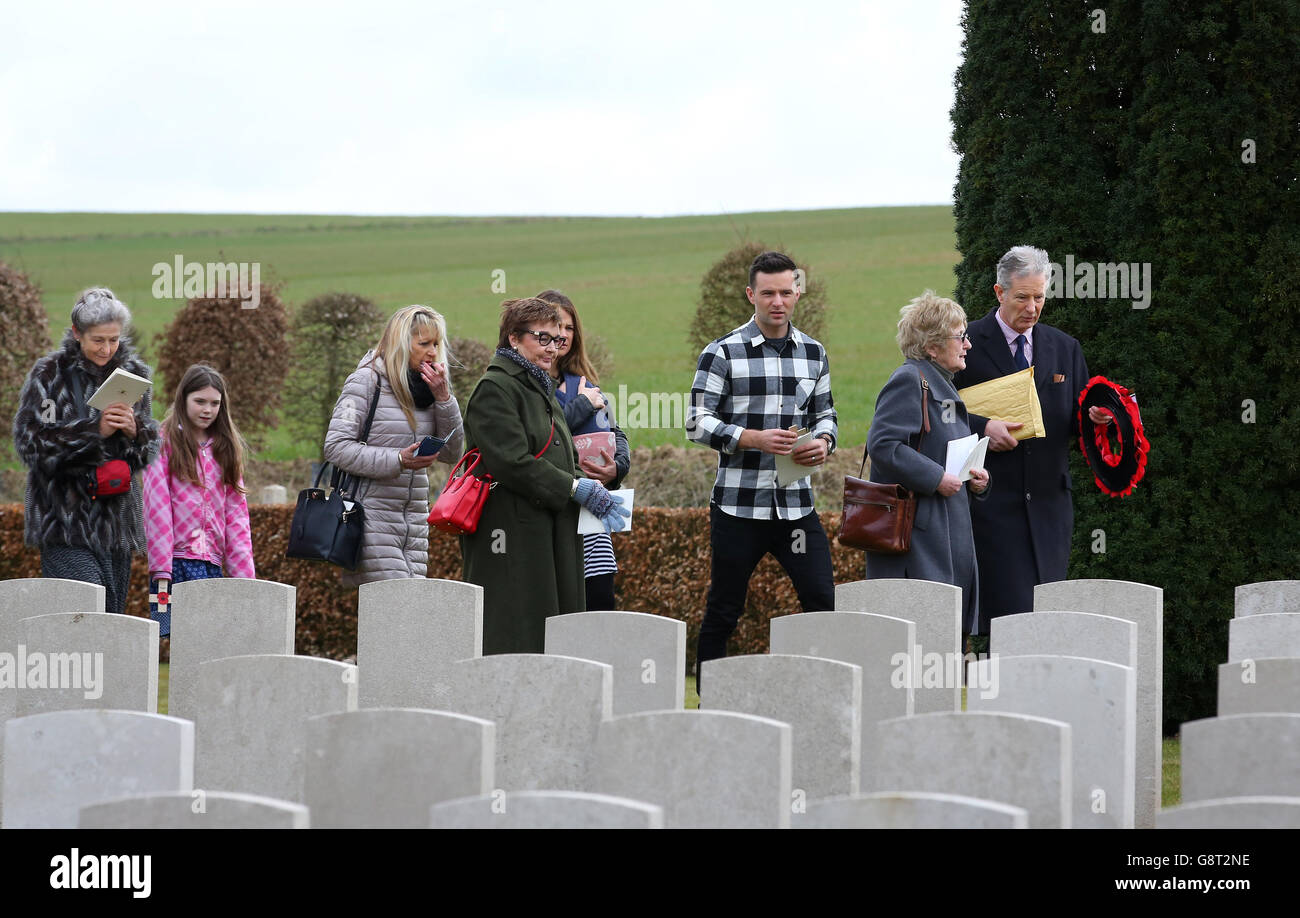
(526, 552)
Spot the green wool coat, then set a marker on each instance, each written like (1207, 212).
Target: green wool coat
(526, 553)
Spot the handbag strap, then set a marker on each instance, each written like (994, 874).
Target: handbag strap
(925, 419)
(340, 479)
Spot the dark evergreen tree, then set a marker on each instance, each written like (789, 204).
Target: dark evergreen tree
(1170, 138)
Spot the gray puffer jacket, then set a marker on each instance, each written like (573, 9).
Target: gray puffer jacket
(396, 542)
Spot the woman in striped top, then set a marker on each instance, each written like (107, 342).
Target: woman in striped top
(586, 412)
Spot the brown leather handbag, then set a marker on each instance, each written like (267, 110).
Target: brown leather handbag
(878, 517)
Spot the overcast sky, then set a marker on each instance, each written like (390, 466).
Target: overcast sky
(496, 108)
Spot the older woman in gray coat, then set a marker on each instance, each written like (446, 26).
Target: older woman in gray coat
(408, 371)
(932, 336)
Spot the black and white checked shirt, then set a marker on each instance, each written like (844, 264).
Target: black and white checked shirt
(744, 382)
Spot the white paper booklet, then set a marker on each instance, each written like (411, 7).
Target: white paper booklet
(965, 454)
(787, 470)
(589, 525)
(121, 387)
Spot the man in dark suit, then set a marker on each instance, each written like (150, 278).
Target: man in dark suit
(1023, 529)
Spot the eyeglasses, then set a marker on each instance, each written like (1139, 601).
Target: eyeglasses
(546, 340)
(962, 337)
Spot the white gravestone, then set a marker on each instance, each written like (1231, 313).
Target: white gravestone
(648, 653)
(935, 608)
(382, 768)
(820, 699)
(1143, 605)
(1241, 755)
(1264, 634)
(252, 720)
(1233, 813)
(707, 769)
(91, 661)
(547, 710)
(910, 811)
(198, 809)
(408, 633)
(224, 617)
(1265, 597)
(1268, 685)
(1099, 702)
(882, 646)
(1007, 758)
(545, 810)
(58, 762)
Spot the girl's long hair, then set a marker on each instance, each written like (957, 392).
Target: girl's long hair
(394, 349)
(576, 360)
(227, 445)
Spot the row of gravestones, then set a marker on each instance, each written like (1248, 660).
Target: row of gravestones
(552, 715)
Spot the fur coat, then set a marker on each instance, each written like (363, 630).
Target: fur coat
(59, 442)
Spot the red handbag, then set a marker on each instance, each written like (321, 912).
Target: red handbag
(111, 477)
(460, 505)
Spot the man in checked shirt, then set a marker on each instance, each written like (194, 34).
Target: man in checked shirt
(751, 387)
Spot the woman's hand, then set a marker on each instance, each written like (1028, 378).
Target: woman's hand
(117, 417)
(949, 485)
(979, 480)
(435, 374)
(409, 460)
(592, 393)
(602, 473)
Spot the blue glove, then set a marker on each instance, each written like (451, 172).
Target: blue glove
(606, 507)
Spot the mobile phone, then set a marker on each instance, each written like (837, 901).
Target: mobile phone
(429, 446)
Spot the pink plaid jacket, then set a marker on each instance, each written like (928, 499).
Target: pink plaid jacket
(186, 521)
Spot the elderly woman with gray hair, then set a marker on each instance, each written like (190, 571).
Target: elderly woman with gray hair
(932, 336)
(84, 507)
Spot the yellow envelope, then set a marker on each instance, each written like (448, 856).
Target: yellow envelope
(1008, 398)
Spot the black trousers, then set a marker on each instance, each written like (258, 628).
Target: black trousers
(738, 545)
(109, 569)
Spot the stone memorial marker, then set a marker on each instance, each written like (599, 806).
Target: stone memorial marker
(252, 720)
(1066, 634)
(547, 710)
(198, 809)
(1241, 755)
(882, 646)
(1144, 605)
(408, 633)
(648, 653)
(546, 810)
(1265, 597)
(1233, 813)
(1264, 634)
(58, 762)
(707, 769)
(382, 768)
(910, 811)
(274, 494)
(89, 660)
(1268, 685)
(1007, 758)
(224, 617)
(1099, 702)
(935, 608)
(820, 699)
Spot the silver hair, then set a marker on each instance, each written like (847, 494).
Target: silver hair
(99, 306)
(1021, 260)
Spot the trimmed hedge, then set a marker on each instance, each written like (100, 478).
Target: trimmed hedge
(663, 569)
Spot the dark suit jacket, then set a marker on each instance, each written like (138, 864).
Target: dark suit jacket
(1023, 530)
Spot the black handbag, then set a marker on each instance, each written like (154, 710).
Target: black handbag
(329, 527)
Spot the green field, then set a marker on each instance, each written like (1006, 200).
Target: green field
(635, 280)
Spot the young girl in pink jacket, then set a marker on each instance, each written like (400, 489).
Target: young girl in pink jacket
(196, 515)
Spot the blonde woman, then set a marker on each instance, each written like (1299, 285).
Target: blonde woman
(405, 376)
